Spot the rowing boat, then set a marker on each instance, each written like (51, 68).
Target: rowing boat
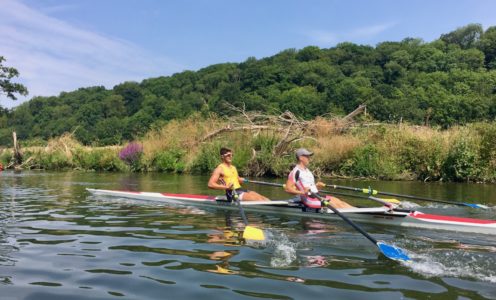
(375, 215)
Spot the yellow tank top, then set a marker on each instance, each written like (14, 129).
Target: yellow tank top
(230, 175)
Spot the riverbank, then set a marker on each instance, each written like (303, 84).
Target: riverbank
(384, 151)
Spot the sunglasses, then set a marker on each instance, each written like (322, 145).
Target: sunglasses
(227, 155)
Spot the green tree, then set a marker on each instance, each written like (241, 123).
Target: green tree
(8, 87)
(303, 101)
(488, 46)
(466, 37)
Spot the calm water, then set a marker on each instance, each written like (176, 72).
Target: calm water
(58, 242)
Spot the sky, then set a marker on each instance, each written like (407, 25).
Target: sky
(62, 45)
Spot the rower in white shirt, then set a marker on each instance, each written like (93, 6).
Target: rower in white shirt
(302, 182)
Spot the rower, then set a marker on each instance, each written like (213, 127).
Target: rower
(302, 182)
(225, 177)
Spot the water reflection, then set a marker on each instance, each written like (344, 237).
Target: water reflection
(57, 242)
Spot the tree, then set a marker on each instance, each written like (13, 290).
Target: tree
(303, 101)
(488, 46)
(8, 87)
(466, 37)
(132, 95)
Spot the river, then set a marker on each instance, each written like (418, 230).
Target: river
(59, 242)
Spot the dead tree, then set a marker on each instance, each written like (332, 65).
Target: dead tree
(16, 160)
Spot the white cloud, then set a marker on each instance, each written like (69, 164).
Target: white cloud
(54, 56)
(328, 38)
(370, 31)
(323, 37)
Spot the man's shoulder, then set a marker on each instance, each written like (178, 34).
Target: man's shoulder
(219, 168)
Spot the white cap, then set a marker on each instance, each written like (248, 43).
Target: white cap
(303, 152)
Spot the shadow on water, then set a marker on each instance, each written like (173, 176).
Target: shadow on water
(57, 242)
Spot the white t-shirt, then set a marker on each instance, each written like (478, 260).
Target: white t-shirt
(306, 179)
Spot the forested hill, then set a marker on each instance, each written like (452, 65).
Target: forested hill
(449, 81)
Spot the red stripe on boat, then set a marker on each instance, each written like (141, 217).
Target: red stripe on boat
(420, 215)
(199, 197)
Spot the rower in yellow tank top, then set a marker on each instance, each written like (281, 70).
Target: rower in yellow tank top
(225, 177)
(230, 175)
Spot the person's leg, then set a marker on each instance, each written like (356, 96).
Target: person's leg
(337, 203)
(252, 196)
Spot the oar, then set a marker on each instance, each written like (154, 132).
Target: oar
(250, 232)
(389, 251)
(370, 191)
(380, 200)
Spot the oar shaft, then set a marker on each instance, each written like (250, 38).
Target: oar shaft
(322, 191)
(353, 224)
(265, 183)
(420, 198)
(242, 212)
(375, 192)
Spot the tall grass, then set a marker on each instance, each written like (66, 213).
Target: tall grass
(386, 151)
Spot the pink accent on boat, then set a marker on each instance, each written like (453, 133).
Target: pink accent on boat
(199, 197)
(312, 202)
(419, 215)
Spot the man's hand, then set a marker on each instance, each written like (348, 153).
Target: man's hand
(320, 184)
(306, 191)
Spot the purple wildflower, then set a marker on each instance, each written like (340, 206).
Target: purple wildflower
(131, 154)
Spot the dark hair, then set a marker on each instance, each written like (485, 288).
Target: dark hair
(224, 151)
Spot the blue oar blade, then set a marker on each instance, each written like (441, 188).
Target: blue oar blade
(392, 252)
(475, 205)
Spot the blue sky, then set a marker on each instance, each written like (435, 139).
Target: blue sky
(60, 45)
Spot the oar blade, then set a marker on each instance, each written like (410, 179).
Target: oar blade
(253, 233)
(392, 252)
(391, 200)
(476, 205)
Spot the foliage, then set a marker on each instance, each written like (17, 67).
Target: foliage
(447, 82)
(206, 159)
(131, 155)
(170, 161)
(462, 163)
(8, 87)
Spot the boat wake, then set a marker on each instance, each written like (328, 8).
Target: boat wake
(454, 263)
(284, 251)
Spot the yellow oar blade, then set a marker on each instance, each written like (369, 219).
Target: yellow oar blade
(253, 233)
(391, 200)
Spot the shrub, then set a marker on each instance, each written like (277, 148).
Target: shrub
(131, 155)
(207, 159)
(170, 161)
(368, 161)
(462, 163)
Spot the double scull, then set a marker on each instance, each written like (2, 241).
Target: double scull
(376, 215)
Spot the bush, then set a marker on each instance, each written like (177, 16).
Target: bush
(207, 159)
(368, 161)
(48, 160)
(5, 156)
(97, 160)
(424, 158)
(131, 155)
(463, 162)
(265, 162)
(170, 161)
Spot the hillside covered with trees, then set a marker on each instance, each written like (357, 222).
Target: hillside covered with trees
(449, 81)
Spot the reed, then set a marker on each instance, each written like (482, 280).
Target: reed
(462, 153)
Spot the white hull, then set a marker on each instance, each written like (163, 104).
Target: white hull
(377, 215)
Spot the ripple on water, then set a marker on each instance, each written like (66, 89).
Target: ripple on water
(57, 242)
